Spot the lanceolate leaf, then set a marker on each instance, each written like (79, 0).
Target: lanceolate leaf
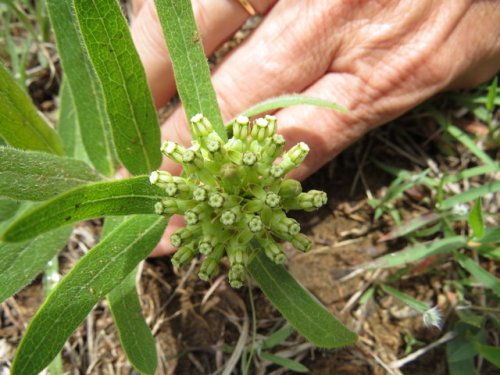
(136, 131)
(8, 208)
(191, 71)
(20, 123)
(479, 273)
(32, 175)
(298, 306)
(135, 335)
(84, 86)
(21, 262)
(289, 101)
(121, 197)
(67, 124)
(95, 275)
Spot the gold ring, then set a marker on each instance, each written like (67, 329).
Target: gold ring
(248, 7)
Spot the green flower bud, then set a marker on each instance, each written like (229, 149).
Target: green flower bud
(255, 224)
(277, 171)
(290, 188)
(214, 145)
(181, 235)
(173, 151)
(183, 256)
(236, 277)
(294, 157)
(272, 200)
(241, 127)
(249, 158)
(301, 242)
(170, 206)
(158, 177)
(210, 265)
(159, 208)
(171, 188)
(284, 227)
(309, 201)
(201, 125)
(274, 251)
(274, 147)
(259, 129)
(205, 247)
(271, 125)
(200, 194)
(191, 217)
(215, 200)
(228, 218)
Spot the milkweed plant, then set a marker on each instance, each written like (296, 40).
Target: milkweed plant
(233, 192)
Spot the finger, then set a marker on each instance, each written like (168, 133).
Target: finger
(285, 54)
(217, 22)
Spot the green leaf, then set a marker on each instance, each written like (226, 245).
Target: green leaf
(284, 362)
(121, 197)
(135, 127)
(278, 337)
(470, 195)
(490, 353)
(491, 235)
(84, 86)
(289, 101)
(306, 314)
(460, 354)
(135, 335)
(479, 273)
(32, 175)
(407, 299)
(95, 275)
(21, 262)
(191, 71)
(68, 127)
(20, 123)
(8, 208)
(492, 93)
(411, 226)
(476, 220)
(417, 252)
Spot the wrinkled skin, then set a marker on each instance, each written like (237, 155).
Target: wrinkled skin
(378, 59)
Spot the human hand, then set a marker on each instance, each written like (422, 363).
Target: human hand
(376, 58)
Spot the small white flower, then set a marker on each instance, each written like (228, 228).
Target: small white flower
(460, 209)
(433, 317)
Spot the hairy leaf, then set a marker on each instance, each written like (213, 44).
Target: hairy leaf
(84, 86)
(191, 71)
(32, 175)
(290, 101)
(121, 197)
(135, 127)
(298, 306)
(8, 208)
(95, 275)
(21, 262)
(135, 335)
(20, 123)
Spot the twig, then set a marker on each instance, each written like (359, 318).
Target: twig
(413, 356)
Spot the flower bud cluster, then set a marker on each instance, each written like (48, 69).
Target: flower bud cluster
(234, 192)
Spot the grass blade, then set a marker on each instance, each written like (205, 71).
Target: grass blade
(406, 299)
(95, 275)
(284, 362)
(134, 124)
(21, 262)
(298, 306)
(20, 123)
(32, 175)
(479, 273)
(135, 335)
(191, 71)
(84, 86)
(470, 195)
(121, 197)
(476, 220)
(289, 101)
(462, 137)
(417, 252)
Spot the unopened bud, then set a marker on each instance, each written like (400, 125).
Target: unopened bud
(274, 252)
(259, 129)
(249, 158)
(255, 224)
(201, 125)
(180, 236)
(241, 127)
(301, 242)
(290, 188)
(191, 217)
(173, 151)
(271, 125)
(272, 200)
(182, 256)
(276, 171)
(200, 194)
(215, 200)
